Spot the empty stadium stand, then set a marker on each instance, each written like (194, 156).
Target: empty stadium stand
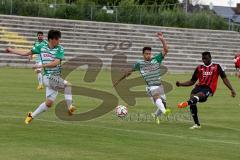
(103, 40)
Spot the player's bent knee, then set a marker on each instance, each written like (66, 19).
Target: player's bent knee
(201, 94)
(49, 103)
(155, 97)
(67, 84)
(192, 95)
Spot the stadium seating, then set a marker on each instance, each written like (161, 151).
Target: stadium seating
(91, 38)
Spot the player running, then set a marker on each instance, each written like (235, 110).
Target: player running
(149, 68)
(51, 55)
(237, 64)
(207, 76)
(37, 59)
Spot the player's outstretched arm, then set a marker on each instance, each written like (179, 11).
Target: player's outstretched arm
(185, 84)
(164, 43)
(127, 73)
(18, 52)
(228, 84)
(191, 82)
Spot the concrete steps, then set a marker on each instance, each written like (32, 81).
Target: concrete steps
(89, 38)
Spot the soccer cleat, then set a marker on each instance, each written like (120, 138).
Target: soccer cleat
(183, 104)
(71, 109)
(168, 111)
(40, 87)
(195, 126)
(28, 118)
(157, 119)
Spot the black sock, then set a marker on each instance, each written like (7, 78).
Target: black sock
(193, 100)
(164, 103)
(194, 111)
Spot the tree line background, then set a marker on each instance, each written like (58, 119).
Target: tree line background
(169, 13)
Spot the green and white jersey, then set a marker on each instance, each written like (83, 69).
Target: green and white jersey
(150, 70)
(37, 43)
(48, 55)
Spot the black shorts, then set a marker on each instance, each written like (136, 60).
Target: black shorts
(203, 89)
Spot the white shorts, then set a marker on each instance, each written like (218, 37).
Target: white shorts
(156, 90)
(53, 84)
(39, 69)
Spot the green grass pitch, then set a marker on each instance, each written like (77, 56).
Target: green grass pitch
(108, 137)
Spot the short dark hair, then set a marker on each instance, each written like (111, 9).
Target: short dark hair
(207, 53)
(54, 34)
(146, 48)
(40, 32)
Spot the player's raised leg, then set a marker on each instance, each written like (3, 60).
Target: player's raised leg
(52, 84)
(160, 105)
(161, 109)
(41, 108)
(198, 94)
(195, 98)
(51, 95)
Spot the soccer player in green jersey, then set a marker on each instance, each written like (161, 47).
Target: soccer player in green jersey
(51, 55)
(37, 59)
(149, 68)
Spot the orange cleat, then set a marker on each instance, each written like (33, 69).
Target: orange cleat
(182, 105)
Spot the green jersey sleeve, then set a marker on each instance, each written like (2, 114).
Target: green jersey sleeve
(136, 66)
(36, 49)
(159, 57)
(60, 53)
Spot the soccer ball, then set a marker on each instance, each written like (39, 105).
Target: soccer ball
(121, 111)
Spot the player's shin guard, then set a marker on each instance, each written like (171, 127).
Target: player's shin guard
(194, 111)
(42, 107)
(158, 111)
(68, 95)
(193, 100)
(160, 105)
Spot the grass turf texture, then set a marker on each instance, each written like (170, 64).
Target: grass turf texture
(109, 137)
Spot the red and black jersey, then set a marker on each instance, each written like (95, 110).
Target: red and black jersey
(208, 75)
(237, 61)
